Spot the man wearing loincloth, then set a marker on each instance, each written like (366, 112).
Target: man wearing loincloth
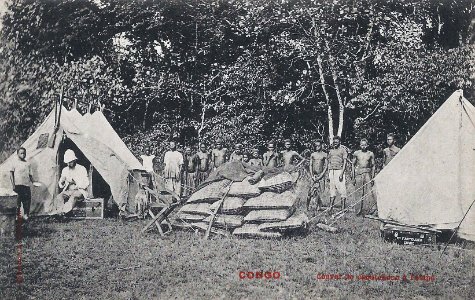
(337, 159)
(190, 163)
(203, 165)
(363, 171)
(318, 167)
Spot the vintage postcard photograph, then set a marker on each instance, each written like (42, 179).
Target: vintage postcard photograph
(237, 149)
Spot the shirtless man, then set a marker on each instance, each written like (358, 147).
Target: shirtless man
(318, 168)
(269, 159)
(363, 171)
(255, 160)
(289, 155)
(337, 159)
(218, 155)
(190, 163)
(390, 151)
(203, 165)
(237, 154)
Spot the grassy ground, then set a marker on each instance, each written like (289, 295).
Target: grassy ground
(110, 259)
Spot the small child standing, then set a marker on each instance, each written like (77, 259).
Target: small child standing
(21, 177)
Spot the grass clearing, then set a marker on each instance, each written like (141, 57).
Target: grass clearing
(105, 259)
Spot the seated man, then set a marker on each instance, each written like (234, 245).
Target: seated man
(73, 182)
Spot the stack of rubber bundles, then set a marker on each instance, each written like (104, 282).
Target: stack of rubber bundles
(258, 206)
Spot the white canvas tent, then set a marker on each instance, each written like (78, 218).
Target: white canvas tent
(47, 161)
(431, 181)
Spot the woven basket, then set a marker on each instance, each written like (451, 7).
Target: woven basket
(269, 200)
(252, 230)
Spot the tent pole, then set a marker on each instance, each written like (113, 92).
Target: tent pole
(60, 108)
(55, 112)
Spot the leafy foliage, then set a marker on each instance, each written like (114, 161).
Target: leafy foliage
(237, 70)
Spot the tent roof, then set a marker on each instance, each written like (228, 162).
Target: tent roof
(103, 131)
(431, 180)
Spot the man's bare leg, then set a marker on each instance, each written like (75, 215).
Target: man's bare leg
(332, 202)
(343, 203)
(319, 202)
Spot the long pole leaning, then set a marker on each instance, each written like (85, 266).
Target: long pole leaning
(213, 216)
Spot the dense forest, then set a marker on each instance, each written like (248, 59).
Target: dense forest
(238, 70)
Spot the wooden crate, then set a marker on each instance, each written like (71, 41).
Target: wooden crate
(8, 202)
(408, 236)
(88, 209)
(8, 210)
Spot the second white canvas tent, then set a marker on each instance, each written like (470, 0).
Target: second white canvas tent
(431, 181)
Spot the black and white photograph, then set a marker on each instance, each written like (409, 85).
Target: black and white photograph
(237, 149)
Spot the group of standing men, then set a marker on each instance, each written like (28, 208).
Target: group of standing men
(363, 167)
(183, 172)
(190, 170)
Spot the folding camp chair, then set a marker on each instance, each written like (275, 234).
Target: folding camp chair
(161, 217)
(160, 209)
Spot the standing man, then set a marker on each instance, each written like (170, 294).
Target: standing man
(237, 154)
(147, 160)
(255, 160)
(74, 182)
(218, 155)
(289, 155)
(203, 165)
(245, 157)
(337, 158)
(189, 171)
(173, 161)
(391, 150)
(270, 158)
(318, 168)
(21, 177)
(363, 170)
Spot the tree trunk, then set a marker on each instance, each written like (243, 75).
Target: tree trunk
(202, 125)
(368, 36)
(329, 108)
(341, 103)
(145, 115)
